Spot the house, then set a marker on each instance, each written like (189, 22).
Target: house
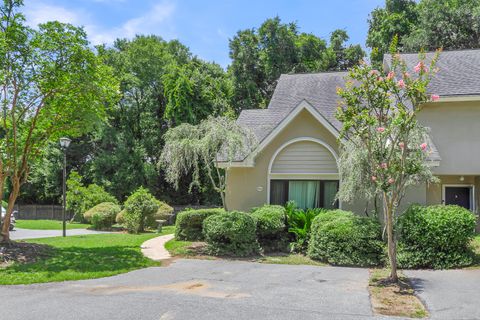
(296, 158)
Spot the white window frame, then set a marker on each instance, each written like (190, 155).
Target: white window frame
(472, 193)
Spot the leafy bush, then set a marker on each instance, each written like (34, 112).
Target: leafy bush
(81, 198)
(102, 216)
(164, 212)
(4, 204)
(231, 233)
(299, 224)
(189, 224)
(436, 237)
(343, 238)
(271, 228)
(139, 208)
(120, 217)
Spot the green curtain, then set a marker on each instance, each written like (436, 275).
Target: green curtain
(304, 193)
(329, 193)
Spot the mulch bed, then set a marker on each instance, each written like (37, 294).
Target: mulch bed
(21, 252)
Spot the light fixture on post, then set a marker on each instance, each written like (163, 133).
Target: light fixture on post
(64, 143)
(462, 178)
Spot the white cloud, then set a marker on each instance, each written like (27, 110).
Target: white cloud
(154, 21)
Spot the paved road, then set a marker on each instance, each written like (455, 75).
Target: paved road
(199, 289)
(20, 234)
(449, 294)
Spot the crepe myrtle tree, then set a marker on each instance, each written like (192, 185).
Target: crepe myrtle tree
(384, 149)
(51, 84)
(200, 148)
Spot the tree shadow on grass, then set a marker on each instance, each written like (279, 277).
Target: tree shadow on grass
(86, 260)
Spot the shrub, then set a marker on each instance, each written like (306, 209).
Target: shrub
(436, 237)
(231, 233)
(81, 198)
(299, 223)
(189, 224)
(102, 216)
(120, 217)
(342, 238)
(139, 208)
(164, 212)
(271, 228)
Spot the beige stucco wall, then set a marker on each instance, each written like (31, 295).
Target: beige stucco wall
(247, 187)
(455, 130)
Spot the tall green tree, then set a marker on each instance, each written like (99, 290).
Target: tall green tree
(426, 25)
(51, 84)
(397, 18)
(260, 56)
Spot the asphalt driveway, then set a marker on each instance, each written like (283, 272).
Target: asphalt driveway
(449, 294)
(22, 234)
(199, 289)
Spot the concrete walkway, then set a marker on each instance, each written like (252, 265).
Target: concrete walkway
(22, 234)
(155, 248)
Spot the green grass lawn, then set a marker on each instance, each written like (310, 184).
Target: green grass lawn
(83, 257)
(48, 225)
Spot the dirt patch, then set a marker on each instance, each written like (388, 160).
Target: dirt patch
(394, 299)
(198, 288)
(22, 252)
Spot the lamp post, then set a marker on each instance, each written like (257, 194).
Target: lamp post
(64, 143)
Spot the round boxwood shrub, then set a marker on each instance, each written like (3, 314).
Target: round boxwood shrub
(271, 227)
(119, 218)
(139, 208)
(189, 223)
(343, 238)
(164, 212)
(102, 216)
(436, 237)
(231, 233)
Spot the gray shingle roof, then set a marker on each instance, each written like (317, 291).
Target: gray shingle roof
(459, 71)
(459, 75)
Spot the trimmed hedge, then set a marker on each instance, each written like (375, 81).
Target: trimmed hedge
(343, 238)
(436, 237)
(102, 216)
(189, 224)
(231, 233)
(271, 227)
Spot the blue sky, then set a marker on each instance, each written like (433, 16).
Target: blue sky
(204, 26)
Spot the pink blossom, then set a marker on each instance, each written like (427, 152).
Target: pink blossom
(383, 165)
(391, 181)
(390, 75)
(423, 146)
(401, 83)
(374, 72)
(406, 75)
(435, 97)
(401, 145)
(380, 79)
(374, 178)
(420, 67)
(380, 129)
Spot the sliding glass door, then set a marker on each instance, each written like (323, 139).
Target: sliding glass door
(305, 193)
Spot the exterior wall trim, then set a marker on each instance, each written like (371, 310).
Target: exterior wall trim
(473, 204)
(318, 176)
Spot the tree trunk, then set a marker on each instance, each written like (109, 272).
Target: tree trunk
(11, 202)
(392, 245)
(224, 203)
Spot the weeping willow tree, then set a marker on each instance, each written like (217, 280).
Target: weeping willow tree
(384, 147)
(198, 148)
